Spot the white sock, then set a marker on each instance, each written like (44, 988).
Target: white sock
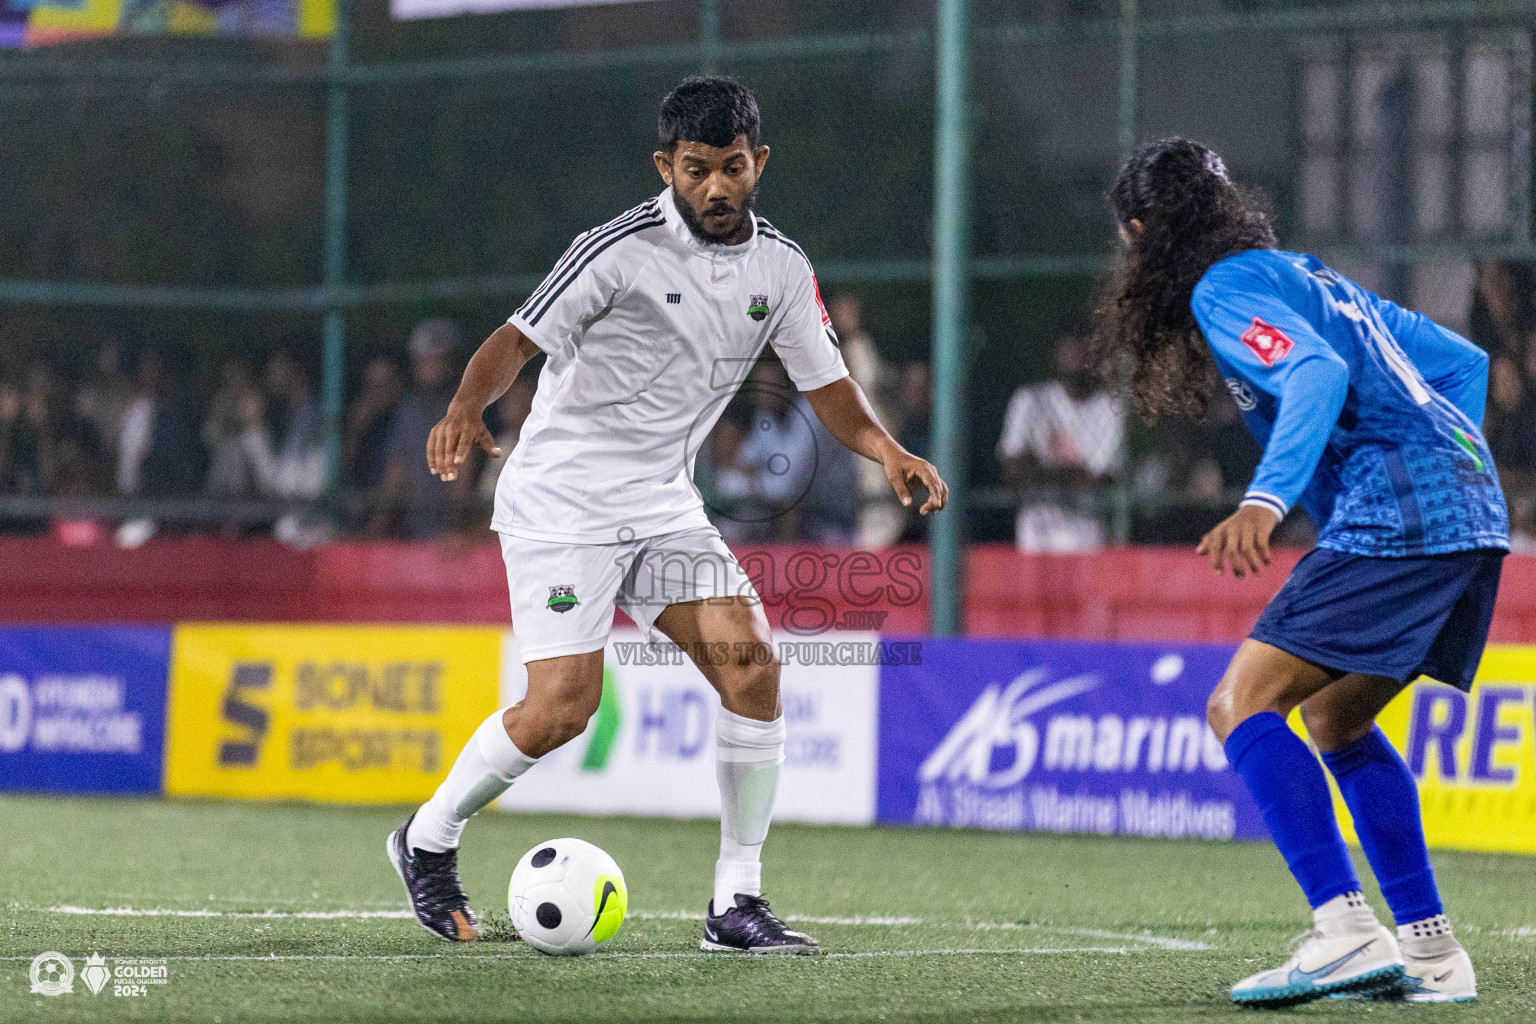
(747, 758)
(485, 768)
(1345, 915)
(1427, 939)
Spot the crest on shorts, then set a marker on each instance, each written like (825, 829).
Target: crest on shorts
(759, 310)
(562, 598)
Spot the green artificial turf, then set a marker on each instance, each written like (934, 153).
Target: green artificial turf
(919, 924)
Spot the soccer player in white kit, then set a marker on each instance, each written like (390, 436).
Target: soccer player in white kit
(650, 323)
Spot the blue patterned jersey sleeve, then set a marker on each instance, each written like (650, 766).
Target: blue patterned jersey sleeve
(1254, 331)
(1451, 364)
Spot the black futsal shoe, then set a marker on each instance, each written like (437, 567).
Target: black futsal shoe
(432, 883)
(750, 927)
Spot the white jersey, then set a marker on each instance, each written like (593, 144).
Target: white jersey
(1044, 421)
(649, 332)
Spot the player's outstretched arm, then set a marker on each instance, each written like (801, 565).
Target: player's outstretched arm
(491, 370)
(845, 412)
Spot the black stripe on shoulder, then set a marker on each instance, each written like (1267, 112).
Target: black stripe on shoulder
(583, 243)
(649, 208)
(593, 252)
(769, 231)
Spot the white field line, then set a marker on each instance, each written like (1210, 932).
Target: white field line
(877, 922)
(305, 915)
(1517, 932)
(393, 958)
(1160, 941)
(1144, 939)
(240, 900)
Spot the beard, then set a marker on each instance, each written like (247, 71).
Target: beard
(696, 224)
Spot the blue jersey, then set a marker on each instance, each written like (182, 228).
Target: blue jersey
(1370, 415)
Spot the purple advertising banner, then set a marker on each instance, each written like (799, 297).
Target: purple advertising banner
(82, 708)
(1060, 736)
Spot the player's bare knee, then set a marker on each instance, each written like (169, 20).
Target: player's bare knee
(1332, 726)
(551, 730)
(1322, 724)
(763, 677)
(549, 720)
(1219, 712)
(1235, 698)
(572, 715)
(569, 727)
(1233, 703)
(753, 686)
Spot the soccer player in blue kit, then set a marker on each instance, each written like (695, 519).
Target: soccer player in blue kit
(1370, 418)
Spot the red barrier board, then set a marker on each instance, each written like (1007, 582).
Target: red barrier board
(1126, 593)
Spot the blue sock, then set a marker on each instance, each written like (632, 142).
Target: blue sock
(1384, 802)
(1292, 793)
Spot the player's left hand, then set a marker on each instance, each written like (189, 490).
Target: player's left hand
(904, 470)
(1241, 540)
(450, 442)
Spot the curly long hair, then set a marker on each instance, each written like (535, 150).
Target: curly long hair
(1191, 216)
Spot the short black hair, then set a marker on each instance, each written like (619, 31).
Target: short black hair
(712, 109)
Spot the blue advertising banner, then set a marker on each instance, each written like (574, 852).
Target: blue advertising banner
(1060, 736)
(82, 709)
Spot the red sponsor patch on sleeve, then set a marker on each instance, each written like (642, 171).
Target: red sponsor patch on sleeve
(826, 321)
(1267, 341)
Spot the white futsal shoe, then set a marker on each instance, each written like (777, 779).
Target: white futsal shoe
(1349, 954)
(1447, 978)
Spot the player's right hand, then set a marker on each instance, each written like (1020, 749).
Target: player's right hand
(451, 440)
(1240, 541)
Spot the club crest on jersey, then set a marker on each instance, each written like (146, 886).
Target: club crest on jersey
(1267, 341)
(1242, 394)
(562, 598)
(759, 310)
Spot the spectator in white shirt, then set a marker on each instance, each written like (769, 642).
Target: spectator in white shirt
(286, 448)
(1065, 436)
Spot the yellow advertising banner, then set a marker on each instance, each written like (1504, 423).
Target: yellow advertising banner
(1473, 755)
(333, 714)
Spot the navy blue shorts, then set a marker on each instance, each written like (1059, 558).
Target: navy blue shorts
(1397, 617)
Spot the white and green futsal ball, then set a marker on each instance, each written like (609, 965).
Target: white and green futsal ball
(567, 897)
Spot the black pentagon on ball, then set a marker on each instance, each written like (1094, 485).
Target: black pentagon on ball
(543, 857)
(548, 915)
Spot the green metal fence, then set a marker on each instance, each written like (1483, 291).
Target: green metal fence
(956, 42)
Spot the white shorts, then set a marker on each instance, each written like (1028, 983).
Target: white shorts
(563, 595)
